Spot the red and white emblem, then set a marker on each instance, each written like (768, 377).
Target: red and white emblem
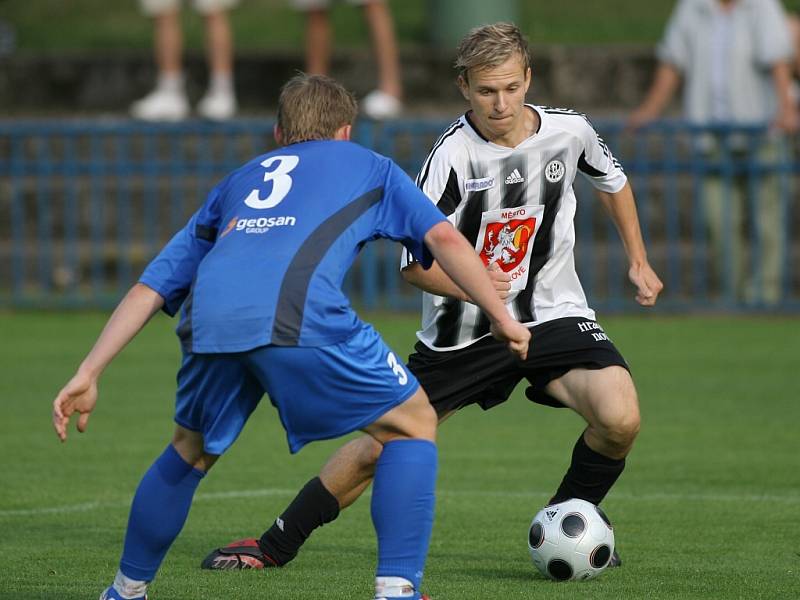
(506, 239)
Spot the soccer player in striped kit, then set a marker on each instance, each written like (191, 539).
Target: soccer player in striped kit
(502, 174)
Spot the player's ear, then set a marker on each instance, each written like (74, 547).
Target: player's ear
(527, 78)
(463, 85)
(343, 133)
(278, 134)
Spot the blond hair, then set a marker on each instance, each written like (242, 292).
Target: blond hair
(313, 107)
(489, 46)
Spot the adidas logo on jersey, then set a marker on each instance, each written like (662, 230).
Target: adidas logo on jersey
(515, 177)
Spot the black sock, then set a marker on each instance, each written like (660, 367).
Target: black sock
(313, 506)
(590, 475)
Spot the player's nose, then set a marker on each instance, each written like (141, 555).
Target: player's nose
(500, 102)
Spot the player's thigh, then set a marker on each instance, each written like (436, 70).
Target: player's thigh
(329, 391)
(216, 396)
(606, 398)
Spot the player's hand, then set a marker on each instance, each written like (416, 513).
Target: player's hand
(648, 285)
(79, 395)
(501, 281)
(515, 333)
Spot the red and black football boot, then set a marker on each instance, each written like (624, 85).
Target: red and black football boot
(241, 554)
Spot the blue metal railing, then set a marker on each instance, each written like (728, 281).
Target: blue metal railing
(85, 204)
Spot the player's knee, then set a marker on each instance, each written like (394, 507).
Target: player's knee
(189, 445)
(625, 424)
(621, 433)
(369, 451)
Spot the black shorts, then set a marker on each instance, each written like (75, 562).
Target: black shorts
(486, 372)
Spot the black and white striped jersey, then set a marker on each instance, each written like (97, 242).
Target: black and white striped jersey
(516, 206)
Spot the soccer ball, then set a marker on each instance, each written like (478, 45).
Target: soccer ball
(571, 540)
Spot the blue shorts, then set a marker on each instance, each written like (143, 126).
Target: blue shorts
(320, 392)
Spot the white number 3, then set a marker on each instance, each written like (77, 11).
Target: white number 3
(397, 368)
(281, 182)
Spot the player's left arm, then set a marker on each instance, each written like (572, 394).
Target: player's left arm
(80, 393)
(172, 272)
(599, 166)
(621, 207)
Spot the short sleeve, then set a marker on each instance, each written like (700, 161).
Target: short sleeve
(598, 164)
(407, 214)
(171, 273)
(674, 47)
(773, 39)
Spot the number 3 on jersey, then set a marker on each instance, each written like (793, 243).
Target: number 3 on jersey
(281, 182)
(397, 368)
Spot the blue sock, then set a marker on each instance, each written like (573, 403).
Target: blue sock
(402, 507)
(158, 512)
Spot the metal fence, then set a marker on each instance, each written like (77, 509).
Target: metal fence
(85, 204)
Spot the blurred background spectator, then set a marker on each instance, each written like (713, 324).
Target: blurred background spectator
(385, 102)
(734, 57)
(168, 101)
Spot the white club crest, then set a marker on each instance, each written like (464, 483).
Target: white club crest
(554, 171)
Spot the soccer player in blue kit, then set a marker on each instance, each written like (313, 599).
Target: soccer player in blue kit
(258, 271)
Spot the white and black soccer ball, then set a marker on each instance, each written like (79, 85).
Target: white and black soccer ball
(571, 540)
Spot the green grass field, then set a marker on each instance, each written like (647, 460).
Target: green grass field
(709, 506)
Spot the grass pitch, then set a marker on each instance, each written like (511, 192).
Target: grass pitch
(709, 506)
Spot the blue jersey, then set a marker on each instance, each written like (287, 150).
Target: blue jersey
(263, 260)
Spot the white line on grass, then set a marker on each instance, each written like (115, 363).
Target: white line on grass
(260, 493)
(88, 506)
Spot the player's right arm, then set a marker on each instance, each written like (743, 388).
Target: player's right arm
(80, 393)
(406, 215)
(439, 181)
(462, 265)
(436, 281)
